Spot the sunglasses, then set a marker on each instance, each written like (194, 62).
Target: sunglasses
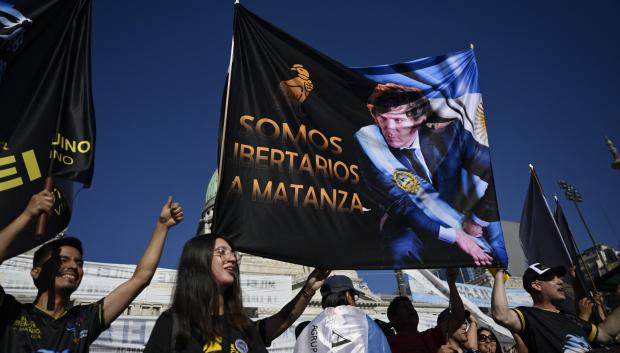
(486, 338)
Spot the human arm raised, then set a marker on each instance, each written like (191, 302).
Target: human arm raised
(457, 310)
(600, 305)
(283, 319)
(499, 305)
(585, 306)
(114, 303)
(39, 203)
(472, 334)
(609, 328)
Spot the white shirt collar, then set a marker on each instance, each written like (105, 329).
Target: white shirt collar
(415, 145)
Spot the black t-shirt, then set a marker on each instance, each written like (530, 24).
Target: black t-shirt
(161, 339)
(25, 328)
(546, 331)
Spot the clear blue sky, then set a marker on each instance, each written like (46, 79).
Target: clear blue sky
(549, 76)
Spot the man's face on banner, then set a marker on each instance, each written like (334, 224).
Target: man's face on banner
(399, 125)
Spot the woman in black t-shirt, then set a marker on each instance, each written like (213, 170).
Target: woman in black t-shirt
(207, 313)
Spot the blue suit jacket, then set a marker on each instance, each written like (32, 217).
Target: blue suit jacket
(453, 158)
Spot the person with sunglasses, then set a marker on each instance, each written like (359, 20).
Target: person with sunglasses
(544, 327)
(487, 341)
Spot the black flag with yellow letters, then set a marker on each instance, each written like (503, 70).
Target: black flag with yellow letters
(312, 174)
(46, 108)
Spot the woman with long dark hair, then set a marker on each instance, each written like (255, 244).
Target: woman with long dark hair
(487, 341)
(207, 313)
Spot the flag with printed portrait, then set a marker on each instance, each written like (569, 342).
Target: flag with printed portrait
(377, 167)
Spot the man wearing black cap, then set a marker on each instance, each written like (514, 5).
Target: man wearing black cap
(543, 327)
(51, 324)
(341, 326)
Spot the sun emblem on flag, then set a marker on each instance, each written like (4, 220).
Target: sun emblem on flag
(406, 181)
(299, 87)
(480, 126)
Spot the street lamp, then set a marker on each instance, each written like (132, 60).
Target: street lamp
(573, 195)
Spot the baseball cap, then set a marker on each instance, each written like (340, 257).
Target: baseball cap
(445, 315)
(337, 284)
(541, 272)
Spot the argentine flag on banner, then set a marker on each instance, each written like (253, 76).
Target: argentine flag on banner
(449, 81)
(343, 329)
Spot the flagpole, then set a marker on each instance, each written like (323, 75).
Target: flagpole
(43, 217)
(551, 214)
(583, 263)
(230, 63)
(400, 282)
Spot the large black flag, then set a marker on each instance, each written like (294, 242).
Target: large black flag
(46, 108)
(567, 235)
(311, 172)
(540, 237)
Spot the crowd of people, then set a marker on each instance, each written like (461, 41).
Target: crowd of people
(207, 313)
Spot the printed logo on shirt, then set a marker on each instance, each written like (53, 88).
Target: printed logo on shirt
(75, 329)
(338, 339)
(29, 326)
(216, 346)
(575, 344)
(241, 346)
(213, 346)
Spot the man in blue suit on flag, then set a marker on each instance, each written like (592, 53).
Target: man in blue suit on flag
(432, 179)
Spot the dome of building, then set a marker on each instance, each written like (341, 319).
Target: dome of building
(212, 190)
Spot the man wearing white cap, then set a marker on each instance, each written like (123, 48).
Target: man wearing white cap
(543, 327)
